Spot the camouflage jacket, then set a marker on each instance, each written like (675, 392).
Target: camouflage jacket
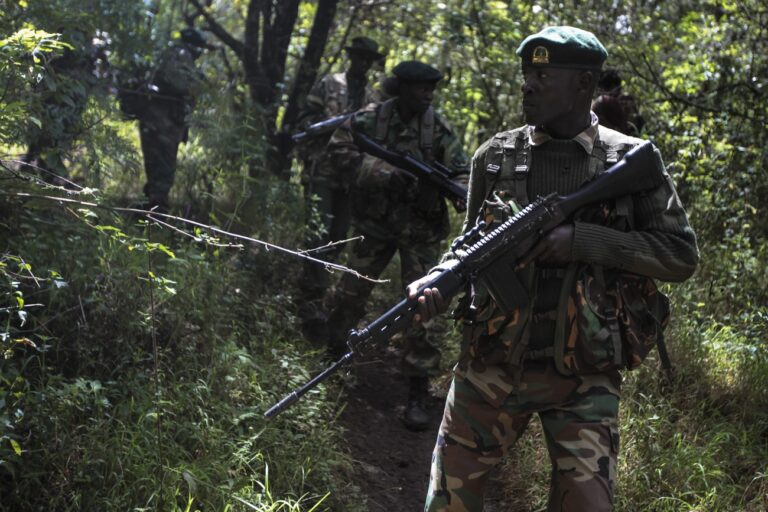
(176, 74)
(386, 203)
(657, 241)
(331, 97)
(178, 82)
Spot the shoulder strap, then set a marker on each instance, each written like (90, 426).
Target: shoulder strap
(607, 155)
(510, 156)
(383, 116)
(522, 149)
(427, 133)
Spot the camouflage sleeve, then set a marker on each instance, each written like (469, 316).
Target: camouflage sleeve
(662, 244)
(314, 106)
(477, 187)
(451, 154)
(475, 195)
(343, 152)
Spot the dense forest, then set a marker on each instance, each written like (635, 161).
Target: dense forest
(140, 351)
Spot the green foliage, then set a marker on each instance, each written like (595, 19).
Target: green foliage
(21, 58)
(136, 363)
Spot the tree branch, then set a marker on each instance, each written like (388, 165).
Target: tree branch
(216, 29)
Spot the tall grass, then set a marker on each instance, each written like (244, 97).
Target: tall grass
(131, 400)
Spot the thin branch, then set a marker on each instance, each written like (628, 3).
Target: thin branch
(656, 80)
(148, 214)
(216, 29)
(329, 245)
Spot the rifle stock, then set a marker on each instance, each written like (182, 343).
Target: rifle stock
(636, 172)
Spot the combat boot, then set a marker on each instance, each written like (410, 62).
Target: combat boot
(158, 203)
(416, 416)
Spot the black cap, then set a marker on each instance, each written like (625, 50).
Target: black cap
(563, 47)
(365, 45)
(415, 71)
(194, 37)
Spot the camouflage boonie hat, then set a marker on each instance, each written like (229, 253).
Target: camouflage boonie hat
(415, 71)
(563, 47)
(365, 45)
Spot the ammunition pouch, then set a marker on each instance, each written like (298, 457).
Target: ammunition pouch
(614, 319)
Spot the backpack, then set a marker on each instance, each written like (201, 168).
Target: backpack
(133, 93)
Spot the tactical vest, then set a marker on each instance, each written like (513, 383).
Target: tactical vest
(612, 321)
(426, 128)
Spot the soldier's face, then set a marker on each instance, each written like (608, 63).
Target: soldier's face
(549, 94)
(417, 96)
(360, 63)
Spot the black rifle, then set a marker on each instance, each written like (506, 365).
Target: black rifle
(437, 174)
(504, 245)
(321, 127)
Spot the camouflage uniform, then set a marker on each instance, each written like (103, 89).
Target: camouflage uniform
(537, 358)
(165, 122)
(409, 218)
(65, 96)
(326, 187)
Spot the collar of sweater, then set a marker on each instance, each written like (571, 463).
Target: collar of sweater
(586, 139)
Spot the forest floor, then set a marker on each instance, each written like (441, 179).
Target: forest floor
(391, 462)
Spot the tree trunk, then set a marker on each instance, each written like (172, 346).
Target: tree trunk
(306, 75)
(310, 62)
(264, 51)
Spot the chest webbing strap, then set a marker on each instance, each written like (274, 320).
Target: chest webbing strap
(426, 127)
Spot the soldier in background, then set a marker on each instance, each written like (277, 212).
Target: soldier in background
(543, 356)
(326, 189)
(396, 213)
(164, 121)
(615, 109)
(64, 97)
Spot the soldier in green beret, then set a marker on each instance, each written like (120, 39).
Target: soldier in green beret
(396, 213)
(558, 353)
(326, 189)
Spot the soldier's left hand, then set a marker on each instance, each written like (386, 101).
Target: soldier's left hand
(430, 301)
(555, 248)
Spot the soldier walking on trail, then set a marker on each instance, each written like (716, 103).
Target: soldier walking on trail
(65, 94)
(164, 122)
(614, 108)
(396, 212)
(326, 189)
(558, 353)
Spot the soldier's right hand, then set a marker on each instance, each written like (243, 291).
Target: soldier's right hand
(430, 301)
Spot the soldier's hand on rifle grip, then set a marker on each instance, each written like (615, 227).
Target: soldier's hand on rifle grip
(431, 303)
(555, 248)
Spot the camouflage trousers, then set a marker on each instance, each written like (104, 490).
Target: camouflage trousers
(160, 134)
(579, 419)
(370, 257)
(327, 220)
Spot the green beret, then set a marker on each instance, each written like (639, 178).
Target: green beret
(415, 71)
(563, 47)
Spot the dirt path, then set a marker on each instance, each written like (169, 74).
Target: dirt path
(392, 463)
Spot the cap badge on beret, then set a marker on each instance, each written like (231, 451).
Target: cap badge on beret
(540, 55)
